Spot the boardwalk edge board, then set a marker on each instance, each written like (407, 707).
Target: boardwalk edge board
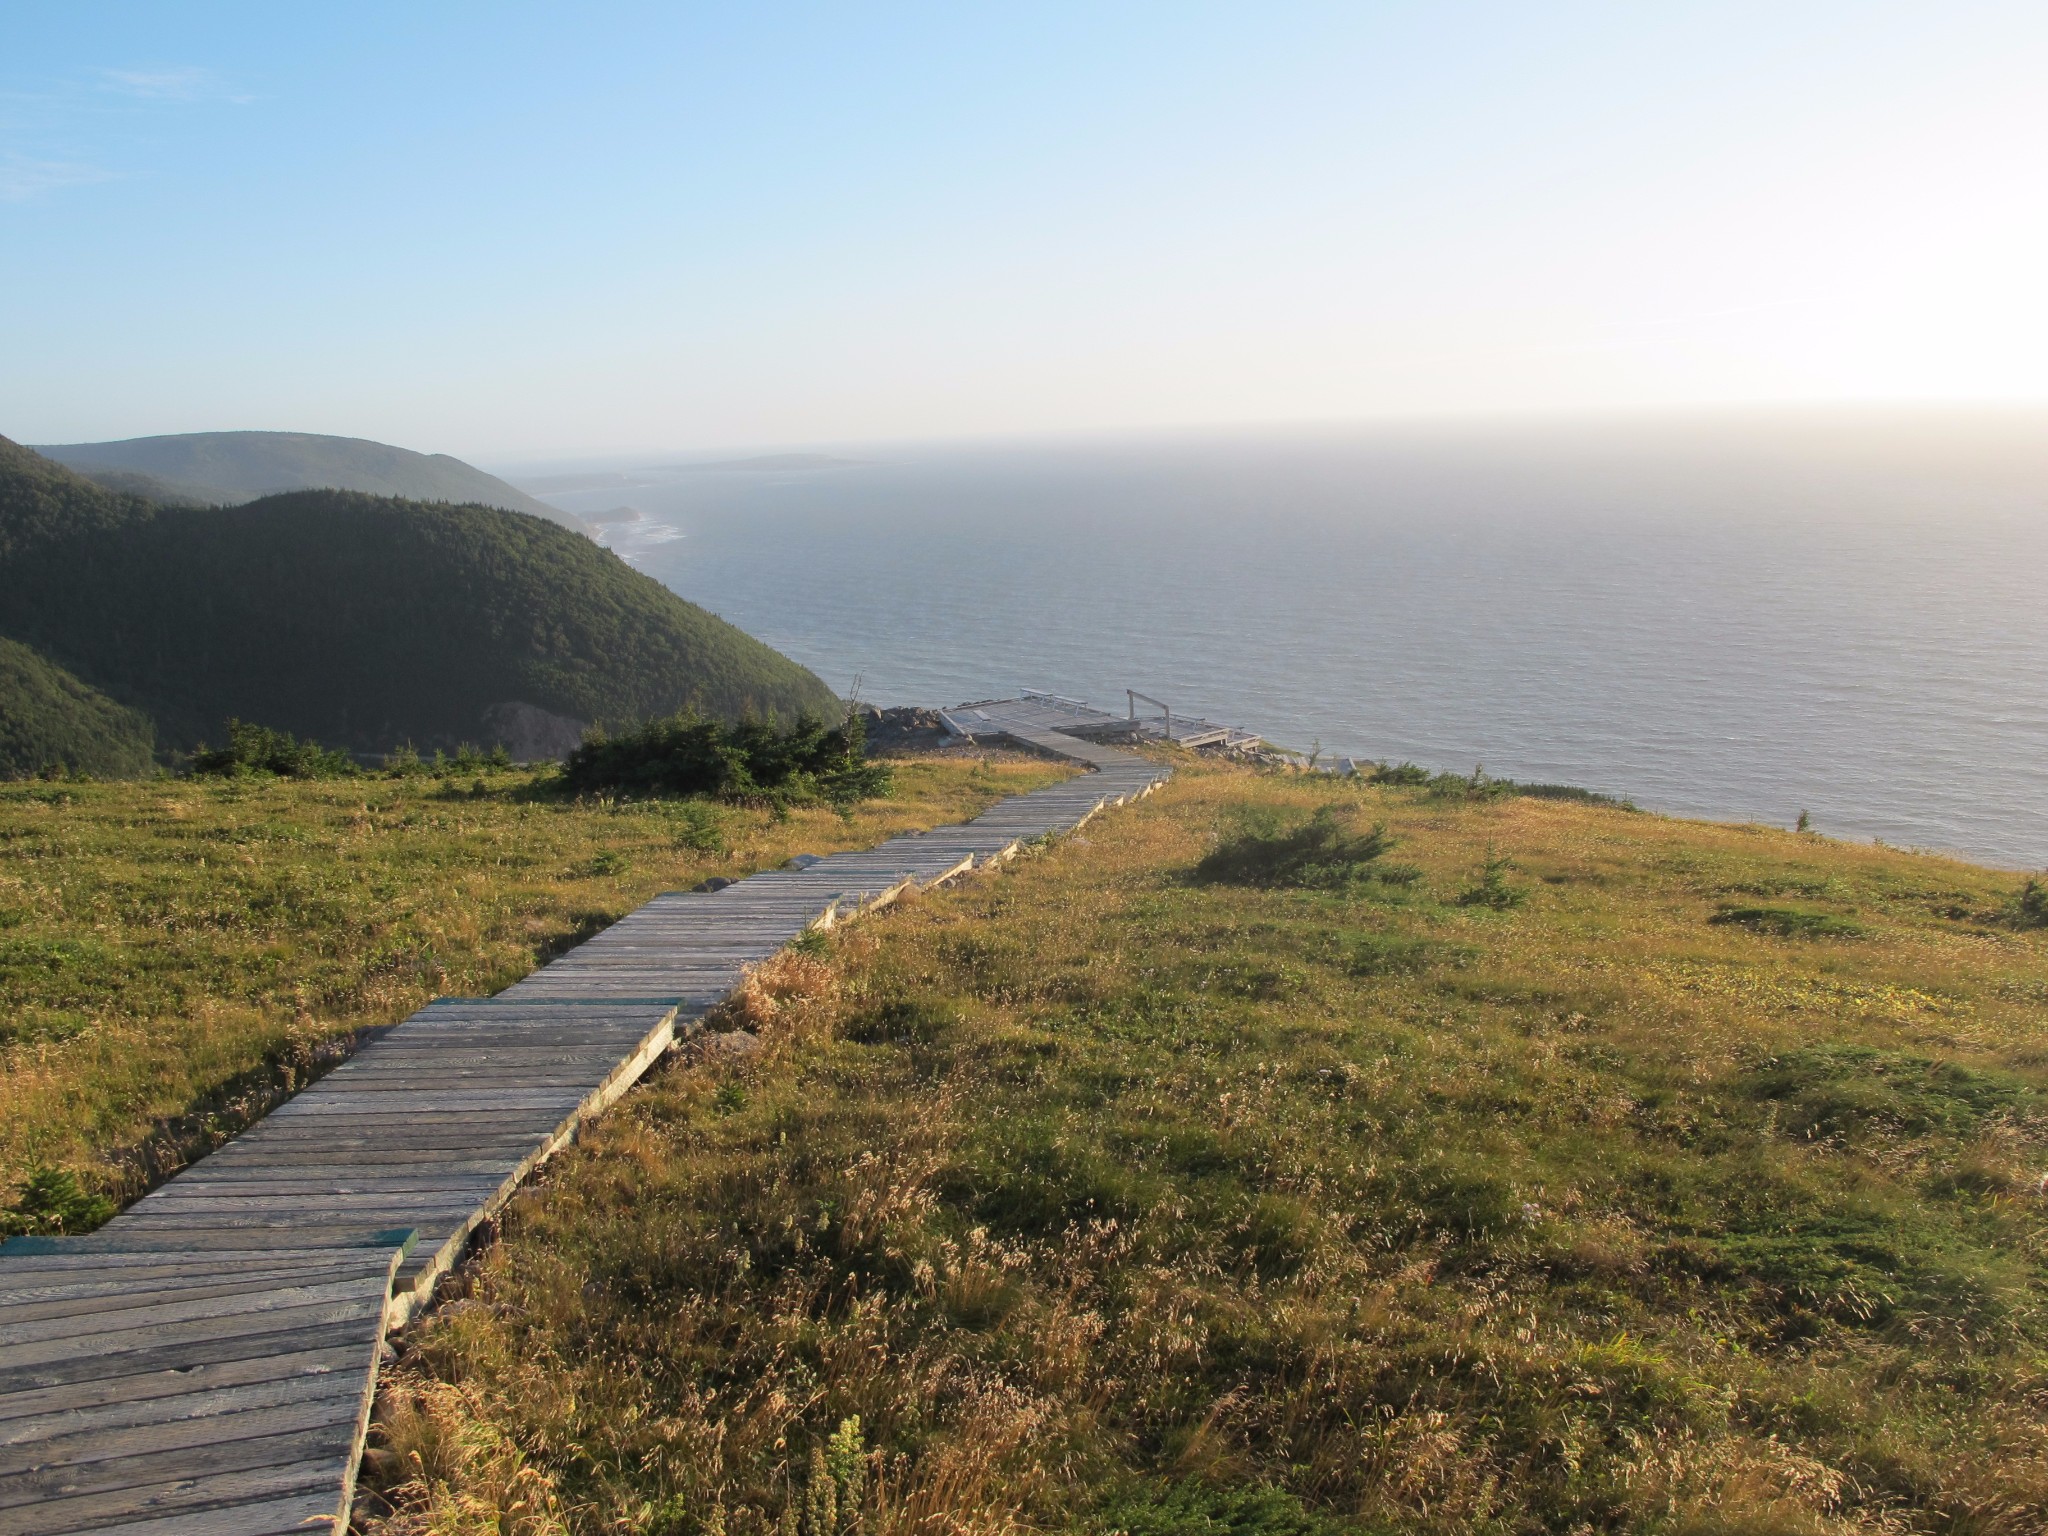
(206, 1361)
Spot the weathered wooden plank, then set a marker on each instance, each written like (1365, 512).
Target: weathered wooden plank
(292, 1407)
(371, 1180)
(77, 1351)
(90, 1493)
(164, 1390)
(313, 1157)
(41, 1261)
(424, 1098)
(370, 1118)
(428, 1212)
(244, 1380)
(282, 1337)
(97, 1293)
(263, 1514)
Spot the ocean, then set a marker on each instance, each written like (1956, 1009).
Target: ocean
(1730, 617)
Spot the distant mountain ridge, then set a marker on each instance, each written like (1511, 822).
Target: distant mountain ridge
(364, 621)
(228, 468)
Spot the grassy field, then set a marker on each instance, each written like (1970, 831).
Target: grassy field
(1534, 1166)
(176, 953)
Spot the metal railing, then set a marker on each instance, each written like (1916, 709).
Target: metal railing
(1076, 705)
(1164, 708)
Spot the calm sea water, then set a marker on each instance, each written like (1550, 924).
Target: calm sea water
(1735, 619)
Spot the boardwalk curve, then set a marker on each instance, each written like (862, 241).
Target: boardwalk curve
(203, 1365)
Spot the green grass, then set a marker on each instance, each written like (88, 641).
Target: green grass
(175, 954)
(1106, 1198)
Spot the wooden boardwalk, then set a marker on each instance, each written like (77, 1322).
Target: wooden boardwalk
(203, 1364)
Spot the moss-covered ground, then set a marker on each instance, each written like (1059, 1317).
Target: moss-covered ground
(1535, 1166)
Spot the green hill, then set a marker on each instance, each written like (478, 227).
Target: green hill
(49, 719)
(361, 620)
(42, 502)
(225, 468)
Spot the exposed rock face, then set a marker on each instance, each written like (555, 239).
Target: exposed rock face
(530, 733)
(901, 729)
(733, 1045)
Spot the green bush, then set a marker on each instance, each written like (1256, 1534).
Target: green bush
(2029, 907)
(1570, 792)
(1492, 888)
(902, 1021)
(1386, 954)
(1828, 1091)
(692, 754)
(1199, 1509)
(1479, 785)
(52, 1204)
(253, 749)
(1791, 922)
(406, 763)
(1266, 850)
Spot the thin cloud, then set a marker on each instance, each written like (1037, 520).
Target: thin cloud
(22, 178)
(174, 84)
(177, 84)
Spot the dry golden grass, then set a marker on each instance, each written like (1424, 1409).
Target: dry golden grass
(1107, 1199)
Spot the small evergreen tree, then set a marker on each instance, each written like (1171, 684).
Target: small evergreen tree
(253, 749)
(692, 754)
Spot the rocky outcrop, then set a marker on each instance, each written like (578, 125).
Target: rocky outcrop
(531, 734)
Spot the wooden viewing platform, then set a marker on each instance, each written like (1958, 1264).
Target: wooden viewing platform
(1048, 711)
(204, 1364)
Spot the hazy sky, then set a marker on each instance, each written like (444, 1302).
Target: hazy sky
(503, 229)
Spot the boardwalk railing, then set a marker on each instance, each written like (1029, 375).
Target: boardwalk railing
(203, 1364)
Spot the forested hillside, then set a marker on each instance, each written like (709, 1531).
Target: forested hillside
(225, 468)
(51, 720)
(362, 620)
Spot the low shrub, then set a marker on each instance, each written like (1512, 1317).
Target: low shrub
(2029, 905)
(1790, 922)
(52, 1204)
(1480, 785)
(406, 763)
(1202, 1509)
(754, 760)
(1825, 1091)
(1570, 792)
(901, 1021)
(1492, 889)
(1319, 853)
(1477, 785)
(257, 749)
(1386, 954)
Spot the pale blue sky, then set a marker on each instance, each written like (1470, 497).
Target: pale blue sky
(506, 230)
